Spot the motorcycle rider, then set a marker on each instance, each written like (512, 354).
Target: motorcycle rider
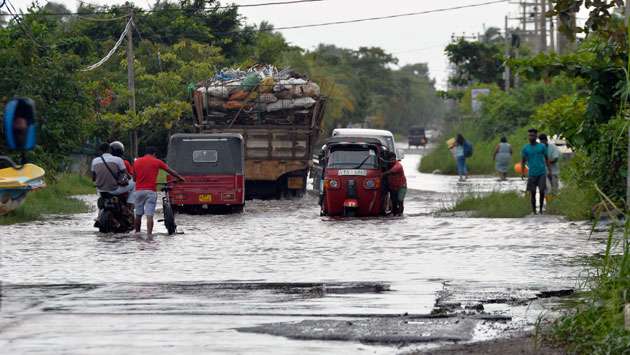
(118, 150)
(106, 169)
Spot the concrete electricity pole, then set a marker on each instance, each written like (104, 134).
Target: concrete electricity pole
(543, 26)
(627, 15)
(131, 85)
(508, 43)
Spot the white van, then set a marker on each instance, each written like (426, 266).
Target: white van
(386, 136)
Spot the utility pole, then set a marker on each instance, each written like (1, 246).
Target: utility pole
(131, 85)
(508, 44)
(552, 33)
(543, 26)
(627, 15)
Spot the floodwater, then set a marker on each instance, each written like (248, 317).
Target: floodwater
(67, 289)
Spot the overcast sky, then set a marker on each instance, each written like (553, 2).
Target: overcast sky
(412, 39)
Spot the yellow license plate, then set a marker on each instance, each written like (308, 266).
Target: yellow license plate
(205, 198)
(296, 183)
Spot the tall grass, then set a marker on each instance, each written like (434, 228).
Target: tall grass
(596, 326)
(54, 199)
(481, 163)
(574, 202)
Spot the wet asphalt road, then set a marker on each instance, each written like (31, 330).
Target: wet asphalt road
(216, 287)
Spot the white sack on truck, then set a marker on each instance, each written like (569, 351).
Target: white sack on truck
(304, 102)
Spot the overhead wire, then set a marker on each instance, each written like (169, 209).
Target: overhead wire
(113, 50)
(276, 3)
(417, 13)
(101, 19)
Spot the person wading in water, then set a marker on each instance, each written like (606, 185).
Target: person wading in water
(535, 156)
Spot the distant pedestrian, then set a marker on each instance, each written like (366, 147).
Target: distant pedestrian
(147, 169)
(535, 156)
(553, 157)
(463, 151)
(503, 158)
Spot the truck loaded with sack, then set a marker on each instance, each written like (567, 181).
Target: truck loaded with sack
(279, 114)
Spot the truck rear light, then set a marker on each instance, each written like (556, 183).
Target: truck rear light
(228, 196)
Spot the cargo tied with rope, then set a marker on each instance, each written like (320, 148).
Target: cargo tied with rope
(259, 95)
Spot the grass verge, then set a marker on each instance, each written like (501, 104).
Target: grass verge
(54, 199)
(493, 205)
(481, 163)
(572, 202)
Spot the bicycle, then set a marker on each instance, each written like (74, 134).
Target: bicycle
(167, 209)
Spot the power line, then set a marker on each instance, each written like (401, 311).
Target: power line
(446, 9)
(276, 3)
(101, 19)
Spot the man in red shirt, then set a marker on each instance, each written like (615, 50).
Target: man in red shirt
(396, 184)
(147, 169)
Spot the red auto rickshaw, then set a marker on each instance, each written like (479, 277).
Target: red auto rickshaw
(213, 165)
(353, 168)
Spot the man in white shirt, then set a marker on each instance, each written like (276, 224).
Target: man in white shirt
(105, 171)
(553, 155)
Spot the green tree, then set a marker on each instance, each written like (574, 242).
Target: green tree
(475, 62)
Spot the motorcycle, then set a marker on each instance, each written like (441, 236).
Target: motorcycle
(115, 214)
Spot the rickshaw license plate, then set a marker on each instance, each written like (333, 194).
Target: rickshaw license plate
(205, 198)
(353, 172)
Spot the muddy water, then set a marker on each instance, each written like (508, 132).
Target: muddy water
(68, 289)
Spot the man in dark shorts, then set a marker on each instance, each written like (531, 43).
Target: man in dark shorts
(535, 157)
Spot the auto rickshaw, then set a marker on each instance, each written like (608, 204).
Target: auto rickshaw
(417, 136)
(213, 166)
(352, 178)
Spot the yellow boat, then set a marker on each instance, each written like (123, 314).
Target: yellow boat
(15, 184)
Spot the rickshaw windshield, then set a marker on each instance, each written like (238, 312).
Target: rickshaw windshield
(353, 158)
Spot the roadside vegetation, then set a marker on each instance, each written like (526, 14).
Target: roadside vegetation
(596, 324)
(583, 96)
(56, 198)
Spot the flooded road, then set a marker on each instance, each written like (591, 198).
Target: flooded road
(67, 289)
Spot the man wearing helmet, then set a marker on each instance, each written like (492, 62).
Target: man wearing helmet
(118, 150)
